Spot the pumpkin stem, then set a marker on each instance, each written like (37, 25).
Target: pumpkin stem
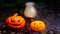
(15, 14)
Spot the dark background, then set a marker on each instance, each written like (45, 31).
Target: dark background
(48, 11)
(53, 4)
(9, 7)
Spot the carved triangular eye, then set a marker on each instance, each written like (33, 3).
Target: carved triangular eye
(12, 20)
(34, 23)
(18, 20)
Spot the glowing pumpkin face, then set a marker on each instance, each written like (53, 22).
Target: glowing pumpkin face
(16, 22)
(37, 25)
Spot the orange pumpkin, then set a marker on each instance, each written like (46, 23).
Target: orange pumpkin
(15, 21)
(37, 25)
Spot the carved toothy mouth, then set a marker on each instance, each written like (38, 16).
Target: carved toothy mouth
(38, 27)
(15, 24)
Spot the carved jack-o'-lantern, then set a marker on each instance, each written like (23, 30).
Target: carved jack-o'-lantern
(37, 25)
(15, 21)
